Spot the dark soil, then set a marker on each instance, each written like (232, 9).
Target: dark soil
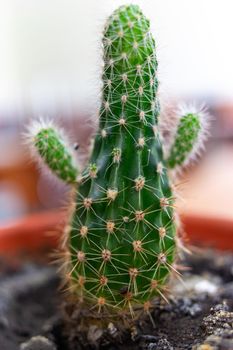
(198, 316)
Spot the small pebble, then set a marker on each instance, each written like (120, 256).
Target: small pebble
(163, 344)
(205, 286)
(227, 291)
(219, 318)
(38, 343)
(198, 284)
(220, 307)
(220, 340)
(94, 334)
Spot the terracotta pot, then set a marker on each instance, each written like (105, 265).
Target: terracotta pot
(209, 231)
(41, 232)
(33, 235)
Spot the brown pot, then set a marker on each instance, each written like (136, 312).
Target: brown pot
(32, 235)
(41, 232)
(212, 232)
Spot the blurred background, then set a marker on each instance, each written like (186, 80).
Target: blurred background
(50, 64)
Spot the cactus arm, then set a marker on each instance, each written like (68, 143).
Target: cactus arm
(188, 139)
(49, 147)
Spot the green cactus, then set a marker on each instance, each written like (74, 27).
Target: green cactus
(122, 239)
(188, 131)
(50, 144)
(122, 236)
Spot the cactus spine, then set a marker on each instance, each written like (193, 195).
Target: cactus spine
(122, 237)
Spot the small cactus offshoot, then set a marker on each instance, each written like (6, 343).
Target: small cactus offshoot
(121, 240)
(191, 132)
(49, 143)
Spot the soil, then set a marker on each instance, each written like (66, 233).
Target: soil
(199, 315)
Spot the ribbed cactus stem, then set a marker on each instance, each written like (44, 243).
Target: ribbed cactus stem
(50, 144)
(122, 238)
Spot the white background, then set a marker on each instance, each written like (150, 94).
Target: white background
(50, 50)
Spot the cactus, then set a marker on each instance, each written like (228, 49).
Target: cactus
(49, 143)
(189, 137)
(121, 241)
